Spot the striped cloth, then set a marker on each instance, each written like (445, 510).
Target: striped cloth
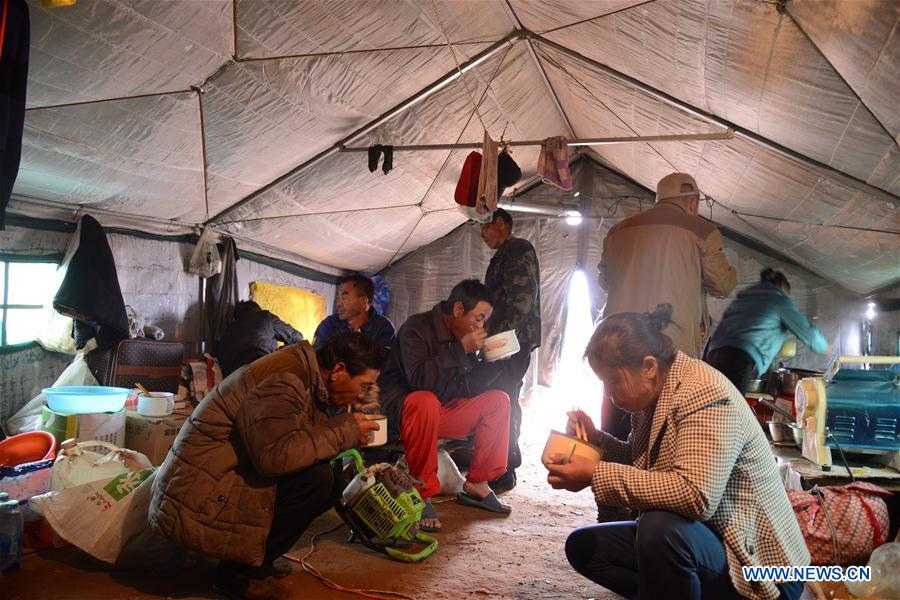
(553, 163)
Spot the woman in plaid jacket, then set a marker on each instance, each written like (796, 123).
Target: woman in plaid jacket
(696, 468)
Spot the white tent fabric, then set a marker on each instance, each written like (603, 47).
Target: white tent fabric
(165, 116)
(424, 278)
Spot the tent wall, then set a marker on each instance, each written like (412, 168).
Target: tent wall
(425, 277)
(155, 282)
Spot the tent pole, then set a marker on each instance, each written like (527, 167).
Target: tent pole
(682, 137)
(842, 177)
(511, 13)
(439, 84)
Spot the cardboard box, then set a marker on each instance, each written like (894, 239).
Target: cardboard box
(152, 436)
(106, 427)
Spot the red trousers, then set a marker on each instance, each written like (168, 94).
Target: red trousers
(424, 419)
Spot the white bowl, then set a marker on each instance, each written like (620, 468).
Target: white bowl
(500, 346)
(157, 404)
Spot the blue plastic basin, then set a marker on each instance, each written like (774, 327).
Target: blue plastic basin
(81, 399)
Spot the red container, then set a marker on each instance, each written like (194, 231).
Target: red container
(27, 447)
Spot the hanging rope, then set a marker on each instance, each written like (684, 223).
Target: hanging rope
(440, 22)
(449, 154)
(589, 19)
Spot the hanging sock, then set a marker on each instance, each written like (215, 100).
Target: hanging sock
(486, 200)
(553, 163)
(388, 163)
(375, 153)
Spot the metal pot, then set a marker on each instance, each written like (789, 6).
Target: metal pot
(787, 379)
(757, 386)
(780, 432)
(786, 433)
(797, 432)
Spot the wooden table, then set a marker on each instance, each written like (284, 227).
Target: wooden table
(798, 473)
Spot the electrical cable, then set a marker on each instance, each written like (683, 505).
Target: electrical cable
(309, 568)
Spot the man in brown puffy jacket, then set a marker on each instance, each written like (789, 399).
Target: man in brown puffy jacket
(249, 470)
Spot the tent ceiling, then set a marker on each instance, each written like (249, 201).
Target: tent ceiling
(812, 92)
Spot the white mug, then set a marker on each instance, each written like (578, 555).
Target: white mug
(377, 438)
(157, 404)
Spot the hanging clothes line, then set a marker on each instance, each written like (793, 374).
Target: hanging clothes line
(682, 137)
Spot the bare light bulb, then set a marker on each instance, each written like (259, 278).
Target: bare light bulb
(573, 217)
(870, 312)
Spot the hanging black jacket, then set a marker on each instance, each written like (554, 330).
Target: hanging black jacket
(90, 291)
(15, 33)
(253, 334)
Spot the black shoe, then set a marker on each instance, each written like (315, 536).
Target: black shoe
(238, 586)
(504, 483)
(280, 568)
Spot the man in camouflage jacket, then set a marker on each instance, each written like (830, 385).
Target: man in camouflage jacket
(513, 277)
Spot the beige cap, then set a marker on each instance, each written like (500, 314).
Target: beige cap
(670, 186)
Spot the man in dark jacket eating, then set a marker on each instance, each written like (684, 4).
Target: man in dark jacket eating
(425, 394)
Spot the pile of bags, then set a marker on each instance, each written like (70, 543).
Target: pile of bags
(95, 501)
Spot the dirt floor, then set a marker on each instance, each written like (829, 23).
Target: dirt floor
(481, 555)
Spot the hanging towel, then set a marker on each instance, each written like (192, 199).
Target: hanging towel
(553, 163)
(222, 295)
(486, 201)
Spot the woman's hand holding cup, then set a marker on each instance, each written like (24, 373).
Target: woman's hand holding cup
(573, 473)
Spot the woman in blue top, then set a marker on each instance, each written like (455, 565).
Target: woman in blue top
(753, 329)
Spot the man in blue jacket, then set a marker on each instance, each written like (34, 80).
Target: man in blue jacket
(355, 313)
(753, 328)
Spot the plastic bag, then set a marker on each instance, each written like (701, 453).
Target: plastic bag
(28, 418)
(100, 517)
(25, 481)
(77, 465)
(206, 261)
(448, 474)
(842, 524)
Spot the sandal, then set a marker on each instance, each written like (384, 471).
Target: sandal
(429, 512)
(490, 502)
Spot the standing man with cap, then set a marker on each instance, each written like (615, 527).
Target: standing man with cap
(513, 278)
(664, 255)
